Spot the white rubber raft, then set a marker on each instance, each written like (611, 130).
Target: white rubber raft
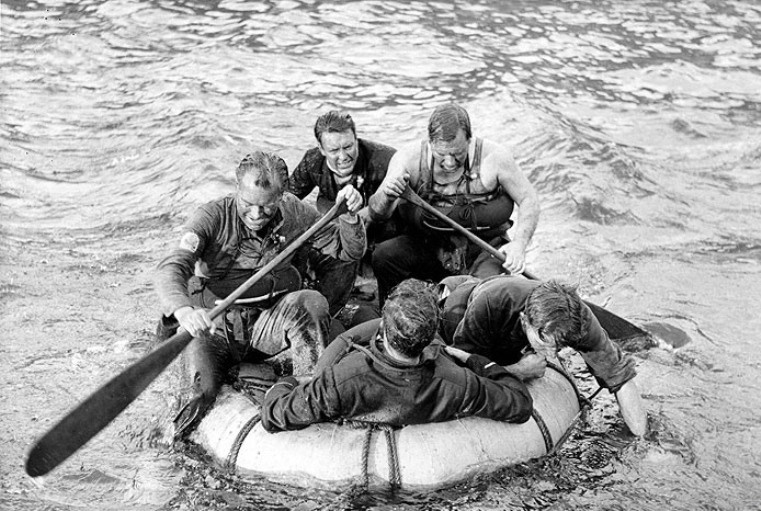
(426, 456)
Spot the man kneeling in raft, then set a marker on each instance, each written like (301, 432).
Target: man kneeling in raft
(392, 370)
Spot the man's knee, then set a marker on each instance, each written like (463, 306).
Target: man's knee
(383, 254)
(306, 300)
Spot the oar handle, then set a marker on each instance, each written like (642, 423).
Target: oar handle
(105, 404)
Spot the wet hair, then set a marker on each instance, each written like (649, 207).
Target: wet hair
(446, 121)
(268, 170)
(334, 121)
(557, 311)
(411, 317)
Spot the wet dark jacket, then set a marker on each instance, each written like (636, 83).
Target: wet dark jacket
(369, 171)
(367, 385)
(483, 316)
(231, 253)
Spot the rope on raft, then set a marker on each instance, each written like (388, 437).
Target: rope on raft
(232, 457)
(394, 470)
(395, 475)
(584, 403)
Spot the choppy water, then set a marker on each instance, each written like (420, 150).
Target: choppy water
(639, 123)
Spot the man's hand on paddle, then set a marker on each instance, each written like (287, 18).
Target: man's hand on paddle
(394, 186)
(195, 321)
(515, 258)
(352, 197)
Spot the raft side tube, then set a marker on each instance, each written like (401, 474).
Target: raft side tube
(429, 456)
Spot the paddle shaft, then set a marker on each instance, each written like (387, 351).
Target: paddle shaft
(616, 326)
(105, 404)
(410, 196)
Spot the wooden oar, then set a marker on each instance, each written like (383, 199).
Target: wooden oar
(105, 404)
(617, 327)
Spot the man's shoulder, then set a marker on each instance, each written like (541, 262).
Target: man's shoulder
(445, 369)
(503, 290)
(352, 369)
(215, 210)
(372, 147)
(311, 161)
(495, 153)
(408, 157)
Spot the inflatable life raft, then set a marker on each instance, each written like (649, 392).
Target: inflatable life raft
(331, 455)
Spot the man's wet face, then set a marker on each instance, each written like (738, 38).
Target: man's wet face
(256, 205)
(450, 156)
(340, 149)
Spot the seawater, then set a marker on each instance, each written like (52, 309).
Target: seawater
(638, 122)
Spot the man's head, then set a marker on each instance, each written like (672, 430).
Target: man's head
(337, 140)
(556, 314)
(262, 179)
(411, 317)
(449, 135)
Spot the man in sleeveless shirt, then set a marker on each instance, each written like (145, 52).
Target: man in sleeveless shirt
(475, 182)
(223, 244)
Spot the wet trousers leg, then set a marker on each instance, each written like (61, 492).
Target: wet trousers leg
(335, 279)
(404, 257)
(204, 364)
(294, 332)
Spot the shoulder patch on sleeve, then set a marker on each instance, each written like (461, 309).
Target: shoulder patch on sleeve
(190, 241)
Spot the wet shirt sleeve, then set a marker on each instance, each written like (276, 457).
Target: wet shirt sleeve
(493, 393)
(289, 406)
(343, 239)
(173, 272)
(489, 325)
(301, 181)
(606, 361)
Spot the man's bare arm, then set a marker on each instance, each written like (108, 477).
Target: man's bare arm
(401, 171)
(632, 409)
(517, 185)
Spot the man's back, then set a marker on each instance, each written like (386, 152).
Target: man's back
(357, 380)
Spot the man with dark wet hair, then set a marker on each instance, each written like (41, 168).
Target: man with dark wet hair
(391, 371)
(340, 159)
(225, 242)
(472, 180)
(519, 323)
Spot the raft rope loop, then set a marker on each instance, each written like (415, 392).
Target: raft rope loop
(232, 457)
(543, 429)
(394, 470)
(584, 403)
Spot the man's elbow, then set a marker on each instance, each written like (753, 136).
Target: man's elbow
(378, 208)
(274, 422)
(270, 419)
(524, 406)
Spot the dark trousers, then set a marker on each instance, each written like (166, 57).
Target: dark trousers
(333, 278)
(414, 256)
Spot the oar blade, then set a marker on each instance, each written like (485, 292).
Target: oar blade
(622, 331)
(105, 404)
(97, 411)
